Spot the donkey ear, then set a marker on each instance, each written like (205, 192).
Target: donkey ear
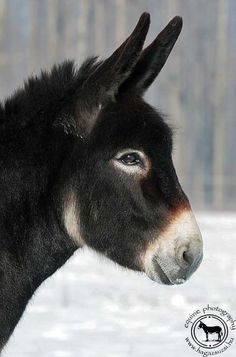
(153, 58)
(103, 83)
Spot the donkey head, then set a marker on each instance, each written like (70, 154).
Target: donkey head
(201, 325)
(125, 200)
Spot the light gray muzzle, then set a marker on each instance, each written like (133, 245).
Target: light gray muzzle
(175, 254)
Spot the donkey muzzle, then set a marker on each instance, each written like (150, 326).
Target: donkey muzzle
(176, 253)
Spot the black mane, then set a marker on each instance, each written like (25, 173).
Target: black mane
(43, 97)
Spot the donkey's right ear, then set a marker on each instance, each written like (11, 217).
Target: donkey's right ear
(153, 58)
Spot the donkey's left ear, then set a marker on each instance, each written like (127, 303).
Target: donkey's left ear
(103, 83)
(153, 58)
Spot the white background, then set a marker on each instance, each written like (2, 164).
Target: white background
(93, 308)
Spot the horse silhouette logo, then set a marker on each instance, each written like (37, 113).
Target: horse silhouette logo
(209, 331)
(212, 330)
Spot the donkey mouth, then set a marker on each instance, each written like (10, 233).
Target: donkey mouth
(159, 275)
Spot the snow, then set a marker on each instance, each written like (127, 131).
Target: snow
(93, 308)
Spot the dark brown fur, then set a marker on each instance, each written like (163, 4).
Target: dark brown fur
(60, 133)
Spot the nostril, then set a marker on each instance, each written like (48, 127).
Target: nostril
(188, 254)
(187, 257)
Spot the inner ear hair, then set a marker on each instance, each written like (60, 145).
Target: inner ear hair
(69, 125)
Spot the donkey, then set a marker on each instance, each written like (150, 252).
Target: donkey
(84, 160)
(211, 329)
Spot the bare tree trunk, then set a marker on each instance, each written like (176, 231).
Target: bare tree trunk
(100, 18)
(220, 97)
(174, 91)
(2, 16)
(120, 21)
(52, 38)
(83, 25)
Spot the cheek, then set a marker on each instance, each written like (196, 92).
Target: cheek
(114, 228)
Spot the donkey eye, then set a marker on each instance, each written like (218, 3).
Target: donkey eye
(132, 162)
(130, 159)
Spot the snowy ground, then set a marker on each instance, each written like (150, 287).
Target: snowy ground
(92, 308)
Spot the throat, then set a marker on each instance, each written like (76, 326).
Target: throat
(16, 290)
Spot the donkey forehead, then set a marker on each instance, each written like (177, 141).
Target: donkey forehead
(133, 122)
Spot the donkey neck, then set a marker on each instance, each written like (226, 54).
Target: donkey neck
(25, 266)
(33, 245)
